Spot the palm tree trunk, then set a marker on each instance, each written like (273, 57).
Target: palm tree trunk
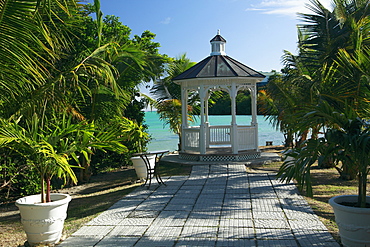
(85, 172)
(48, 188)
(362, 180)
(302, 138)
(43, 190)
(288, 139)
(347, 173)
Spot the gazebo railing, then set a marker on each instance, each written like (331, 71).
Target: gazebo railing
(221, 135)
(191, 138)
(246, 137)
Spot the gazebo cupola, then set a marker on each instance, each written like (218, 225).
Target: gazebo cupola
(218, 44)
(219, 72)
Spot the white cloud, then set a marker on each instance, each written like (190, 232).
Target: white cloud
(284, 7)
(166, 21)
(255, 9)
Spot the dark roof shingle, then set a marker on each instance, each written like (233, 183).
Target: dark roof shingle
(218, 38)
(218, 66)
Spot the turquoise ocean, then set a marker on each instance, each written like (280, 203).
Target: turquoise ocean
(164, 139)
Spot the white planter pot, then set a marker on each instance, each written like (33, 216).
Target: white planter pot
(43, 222)
(140, 167)
(353, 222)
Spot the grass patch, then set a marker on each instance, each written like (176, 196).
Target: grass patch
(270, 167)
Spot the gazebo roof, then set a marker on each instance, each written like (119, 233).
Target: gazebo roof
(218, 66)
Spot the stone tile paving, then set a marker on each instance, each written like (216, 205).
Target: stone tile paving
(217, 205)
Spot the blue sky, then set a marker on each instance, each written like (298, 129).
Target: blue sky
(257, 31)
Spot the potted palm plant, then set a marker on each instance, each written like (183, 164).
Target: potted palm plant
(48, 146)
(352, 212)
(346, 142)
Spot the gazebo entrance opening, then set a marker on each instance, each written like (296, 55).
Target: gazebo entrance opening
(219, 72)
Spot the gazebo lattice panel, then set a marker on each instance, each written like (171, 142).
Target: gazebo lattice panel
(219, 157)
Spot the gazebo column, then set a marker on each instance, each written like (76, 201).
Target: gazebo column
(207, 120)
(234, 126)
(254, 115)
(184, 116)
(203, 127)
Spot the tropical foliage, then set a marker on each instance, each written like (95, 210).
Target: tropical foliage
(321, 96)
(328, 40)
(164, 88)
(222, 103)
(168, 95)
(170, 113)
(66, 79)
(346, 144)
(49, 145)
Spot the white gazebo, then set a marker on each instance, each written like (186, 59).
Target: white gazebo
(219, 143)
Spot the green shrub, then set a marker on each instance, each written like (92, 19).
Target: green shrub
(17, 179)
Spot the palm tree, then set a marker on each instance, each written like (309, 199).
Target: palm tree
(170, 112)
(48, 68)
(346, 143)
(27, 42)
(168, 95)
(25, 34)
(166, 89)
(286, 95)
(54, 65)
(307, 77)
(343, 112)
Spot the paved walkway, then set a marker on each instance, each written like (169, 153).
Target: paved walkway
(217, 205)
